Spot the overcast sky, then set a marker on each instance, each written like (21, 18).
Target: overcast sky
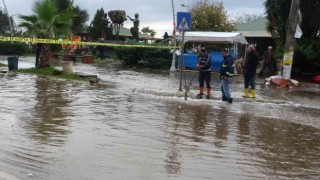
(157, 14)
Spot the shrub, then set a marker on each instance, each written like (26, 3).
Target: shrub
(157, 58)
(15, 48)
(307, 56)
(55, 47)
(129, 56)
(150, 57)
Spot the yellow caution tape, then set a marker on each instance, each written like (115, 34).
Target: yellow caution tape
(55, 41)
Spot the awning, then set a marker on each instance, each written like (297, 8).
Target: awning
(216, 37)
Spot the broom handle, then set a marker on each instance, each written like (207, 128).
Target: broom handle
(194, 73)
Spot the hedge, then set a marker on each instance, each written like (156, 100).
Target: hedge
(149, 57)
(15, 48)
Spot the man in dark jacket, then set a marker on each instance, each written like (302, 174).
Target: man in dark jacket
(249, 71)
(38, 52)
(268, 62)
(204, 67)
(226, 74)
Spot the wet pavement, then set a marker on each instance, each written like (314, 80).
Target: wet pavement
(128, 126)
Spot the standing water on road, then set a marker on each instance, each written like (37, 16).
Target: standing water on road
(128, 127)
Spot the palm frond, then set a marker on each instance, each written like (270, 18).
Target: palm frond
(32, 18)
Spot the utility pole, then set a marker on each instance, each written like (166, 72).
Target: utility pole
(173, 62)
(290, 40)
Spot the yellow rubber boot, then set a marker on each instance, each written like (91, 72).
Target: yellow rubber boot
(245, 93)
(253, 93)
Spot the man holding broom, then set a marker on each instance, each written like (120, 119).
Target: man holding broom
(204, 67)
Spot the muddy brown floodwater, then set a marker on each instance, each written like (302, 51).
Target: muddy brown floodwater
(57, 129)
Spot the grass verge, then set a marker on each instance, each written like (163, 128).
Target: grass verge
(49, 72)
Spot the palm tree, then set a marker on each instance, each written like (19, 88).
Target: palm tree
(148, 31)
(47, 22)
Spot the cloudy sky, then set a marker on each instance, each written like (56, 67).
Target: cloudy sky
(157, 14)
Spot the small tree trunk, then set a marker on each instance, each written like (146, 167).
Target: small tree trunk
(117, 30)
(45, 56)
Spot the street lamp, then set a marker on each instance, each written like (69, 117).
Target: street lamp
(173, 63)
(183, 5)
(186, 6)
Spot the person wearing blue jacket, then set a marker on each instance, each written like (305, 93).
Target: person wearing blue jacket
(226, 74)
(204, 67)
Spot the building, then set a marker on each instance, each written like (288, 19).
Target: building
(256, 33)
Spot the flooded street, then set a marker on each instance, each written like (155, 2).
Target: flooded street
(130, 127)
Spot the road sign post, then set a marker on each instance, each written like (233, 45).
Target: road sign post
(183, 24)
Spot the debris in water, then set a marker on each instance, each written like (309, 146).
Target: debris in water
(281, 82)
(316, 79)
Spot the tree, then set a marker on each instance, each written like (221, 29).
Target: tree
(277, 14)
(79, 21)
(95, 29)
(47, 22)
(148, 31)
(307, 49)
(244, 17)
(63, 4)
(310, 15)
(117, 17)
(207, 15)
(4, 23)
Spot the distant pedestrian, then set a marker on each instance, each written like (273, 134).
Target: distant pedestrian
(249, 71)
(38, 52)
(100, 48)
(226, 74)
(204, 67)
(268, 62)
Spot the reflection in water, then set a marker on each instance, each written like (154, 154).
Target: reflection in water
(221, 125)
(200, 119)
(172, 161)
(288, 147)
(184, 118)
(115, 130)
(243, 127)
(49, 122)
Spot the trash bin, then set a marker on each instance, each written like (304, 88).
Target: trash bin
(67, 67)
(13, 62)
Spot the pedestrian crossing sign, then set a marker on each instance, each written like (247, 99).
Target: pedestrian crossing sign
(184, 21)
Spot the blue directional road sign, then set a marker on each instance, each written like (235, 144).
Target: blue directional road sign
(183, 21)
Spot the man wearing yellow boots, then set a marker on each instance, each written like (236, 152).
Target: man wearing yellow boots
(249, 72)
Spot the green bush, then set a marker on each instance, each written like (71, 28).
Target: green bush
(55, 47)
(149, 57)
(15, 48)
(157, 58)
(129, 56)
(307, 56)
